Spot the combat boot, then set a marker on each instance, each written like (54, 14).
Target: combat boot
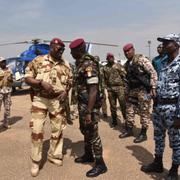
(6, 125)
(99, 168)
(173, 173)
(114, 120)
(86, 158)
(142, 136)
(155, 166)
(127, 133)
(34, 168)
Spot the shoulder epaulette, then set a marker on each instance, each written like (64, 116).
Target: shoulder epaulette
(88, 57)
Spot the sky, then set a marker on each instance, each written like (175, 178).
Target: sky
(105, 21)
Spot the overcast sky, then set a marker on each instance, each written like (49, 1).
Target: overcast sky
(106, 21)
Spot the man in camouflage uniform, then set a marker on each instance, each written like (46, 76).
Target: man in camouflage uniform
(114, 75)
(166, 112)
(104, 105)
(6, 80)
(89, 103)
(50, 77)
(140, 87)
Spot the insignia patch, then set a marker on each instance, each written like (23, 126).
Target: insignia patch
(89, 71)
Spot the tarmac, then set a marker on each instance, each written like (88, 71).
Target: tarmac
(122, 156)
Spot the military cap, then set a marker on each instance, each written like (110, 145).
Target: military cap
(76, 43)
(2, 59)
(109, 55)
(170, 37)
(57, 41)
(128, 47)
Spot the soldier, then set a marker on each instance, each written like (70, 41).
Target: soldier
(114, 75)
(166, 113)
(89, 103)
(50, 77)
(103, 86)
(140, 86)
(6, 81)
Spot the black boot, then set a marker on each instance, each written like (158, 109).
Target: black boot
(173, 173)
(127, 133)
(142, 136)
(86, 158)
(114, 120)
(99, 168)
(155, 166)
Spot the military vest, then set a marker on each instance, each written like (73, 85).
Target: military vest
(88, 67)
(136, 75)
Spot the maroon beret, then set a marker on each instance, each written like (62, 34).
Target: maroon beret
(128, 46)
(109, 55)
(57, 41)
(76, 43)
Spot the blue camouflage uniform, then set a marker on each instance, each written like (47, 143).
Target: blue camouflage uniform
(167, 108)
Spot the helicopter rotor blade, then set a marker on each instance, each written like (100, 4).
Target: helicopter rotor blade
(23, 42)
(37, 41)
(102, 44)
(94, 43)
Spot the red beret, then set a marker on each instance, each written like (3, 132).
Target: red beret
(57, 41)
(128, 46)
(76, 43)
(109, 55)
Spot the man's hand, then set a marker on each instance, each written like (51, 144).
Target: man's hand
(153, 93)
(47, 87)
(88, 119)
(63, 96)
(176, 123)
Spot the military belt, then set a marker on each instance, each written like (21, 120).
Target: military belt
(164, 101)
(48, 96)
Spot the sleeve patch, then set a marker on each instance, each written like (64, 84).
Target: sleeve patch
(89, 71)
(93, 80)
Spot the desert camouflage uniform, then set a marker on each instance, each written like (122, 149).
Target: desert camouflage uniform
(87, 74)
(6, 80)
(57, 74)
(141, 76)
(167, 109)
(114, 80)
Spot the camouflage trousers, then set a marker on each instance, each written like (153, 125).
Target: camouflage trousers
(6, 100)
(138, 100)
(40, 108)
(92, 141)
(113, 96)
(163, 119)
(104, 105)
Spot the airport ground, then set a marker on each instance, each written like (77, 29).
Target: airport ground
(122, 156)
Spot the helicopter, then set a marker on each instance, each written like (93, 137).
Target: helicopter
(37, 47)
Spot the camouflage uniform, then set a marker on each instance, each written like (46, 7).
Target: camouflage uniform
(87, 73)
(6, 80)
(74, 94)
(141, 76)
(167, 109)
(104, 105)
(114, 80)
(57, 74)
